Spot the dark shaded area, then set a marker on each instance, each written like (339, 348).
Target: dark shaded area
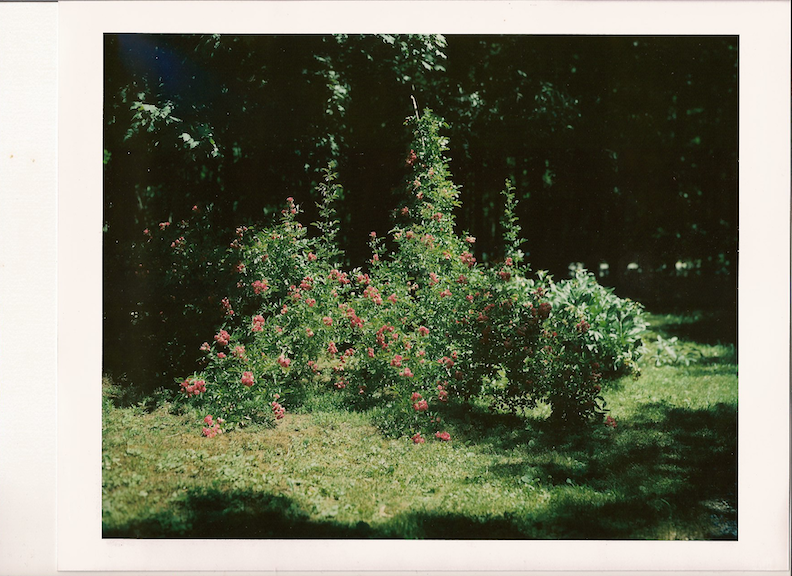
(235, 514)
(711, 327)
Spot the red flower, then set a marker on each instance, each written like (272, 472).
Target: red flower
(193, 388)
(247, 379)
(222, 338)
(544, 309)
(418, 439)
(283, 361)
(415, 397)
(396, 361)
(444, 436)
(258, 323)
(610, 422)
(260, 286)
(407, 373)
(421, 406)
(227, 307)
(423, 330)
(467, 259)
(328, 321)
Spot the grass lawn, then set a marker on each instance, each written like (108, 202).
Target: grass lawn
(667, 471)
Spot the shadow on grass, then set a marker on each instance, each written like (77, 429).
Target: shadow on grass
(705, 327)
(667, 467)
(669, 473)
(234, 514)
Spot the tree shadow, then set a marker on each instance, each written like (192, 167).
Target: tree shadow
(705, 327)
(667, 466)
(234, 514)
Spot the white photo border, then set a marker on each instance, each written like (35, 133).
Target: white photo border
(763, 28)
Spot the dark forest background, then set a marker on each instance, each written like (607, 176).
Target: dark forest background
(623, 151)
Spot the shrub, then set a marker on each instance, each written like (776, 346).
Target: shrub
(422, 326)
(615, 325)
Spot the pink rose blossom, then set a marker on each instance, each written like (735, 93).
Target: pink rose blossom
(222, 338)
(260, 286)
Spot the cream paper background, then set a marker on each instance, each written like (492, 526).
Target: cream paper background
(764, 284)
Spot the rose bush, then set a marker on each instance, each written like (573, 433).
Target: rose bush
(422, 326)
